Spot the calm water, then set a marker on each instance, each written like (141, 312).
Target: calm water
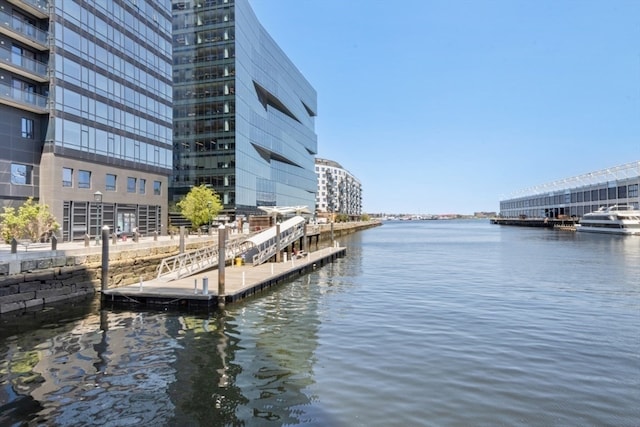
(434, 323)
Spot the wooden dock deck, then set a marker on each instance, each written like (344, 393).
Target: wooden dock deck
(241, 281)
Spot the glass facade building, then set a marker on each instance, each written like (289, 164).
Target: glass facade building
(244, 115)
(577, 195)
(88, 110)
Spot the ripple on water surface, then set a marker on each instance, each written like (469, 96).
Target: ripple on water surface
(423, 323)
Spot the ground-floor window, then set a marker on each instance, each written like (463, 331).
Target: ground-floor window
(87, 218)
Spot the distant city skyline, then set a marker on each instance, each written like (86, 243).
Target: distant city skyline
(457, 105)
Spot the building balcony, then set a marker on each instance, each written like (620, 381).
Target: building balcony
(28, 34)
(24, 66)
(22, 99)
(39, 8)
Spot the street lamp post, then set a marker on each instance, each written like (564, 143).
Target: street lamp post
(97, 197)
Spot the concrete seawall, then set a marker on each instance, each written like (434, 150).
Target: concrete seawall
(34, 278)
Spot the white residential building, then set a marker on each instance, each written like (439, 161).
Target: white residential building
(339, 192)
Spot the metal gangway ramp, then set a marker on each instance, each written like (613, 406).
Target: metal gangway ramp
(267, 243)
(262, 245)
(192, 262)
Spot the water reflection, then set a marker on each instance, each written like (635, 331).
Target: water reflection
(254, 361)
(279, 337)
(203, 391)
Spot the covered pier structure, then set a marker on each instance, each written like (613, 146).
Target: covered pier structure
(571, 198)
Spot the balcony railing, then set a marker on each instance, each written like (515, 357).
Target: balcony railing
(25, 29)
(25, 63)
(38, 4)
(23, 97)
(39, 8)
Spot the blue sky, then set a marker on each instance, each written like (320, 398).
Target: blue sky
(449, 106)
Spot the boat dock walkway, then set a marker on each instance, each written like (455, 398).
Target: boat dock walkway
(201, 290)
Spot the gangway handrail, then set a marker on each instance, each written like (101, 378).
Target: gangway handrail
(188, 263)
(290, 231)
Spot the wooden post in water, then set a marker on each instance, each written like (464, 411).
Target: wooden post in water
(181, 244)
(303, 246)
(105, 258)
(222, 237)
(332, 232)
(278, 255)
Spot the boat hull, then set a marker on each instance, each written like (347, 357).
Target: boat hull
(616, 219)
(602, 230)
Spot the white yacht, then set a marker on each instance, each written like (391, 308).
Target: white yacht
(615, 219)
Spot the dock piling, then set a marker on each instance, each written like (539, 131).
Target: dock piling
(222, 240)
(181, 244)
(104, 282)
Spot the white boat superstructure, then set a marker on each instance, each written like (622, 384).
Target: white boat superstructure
(616, 219)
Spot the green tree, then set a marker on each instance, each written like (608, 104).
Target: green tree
(365, 217)
(200, 205)
(342, 217)
(31, 221)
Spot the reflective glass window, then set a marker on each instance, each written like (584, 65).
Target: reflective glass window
(67, 177)
(84, 179)
(131, 185)
(27, 128)
(21, 174)
(111, 182)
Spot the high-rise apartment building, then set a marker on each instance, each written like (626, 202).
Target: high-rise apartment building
(244, 115)
(339, 192)
(86, 111)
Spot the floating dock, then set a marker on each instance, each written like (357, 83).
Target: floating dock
(200, 291)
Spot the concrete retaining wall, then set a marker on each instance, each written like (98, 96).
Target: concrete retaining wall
(48, 277)
(344, 228)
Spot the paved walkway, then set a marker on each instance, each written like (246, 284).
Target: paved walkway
(34, 250)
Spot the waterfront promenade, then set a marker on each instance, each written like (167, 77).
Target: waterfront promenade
(77, 248)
